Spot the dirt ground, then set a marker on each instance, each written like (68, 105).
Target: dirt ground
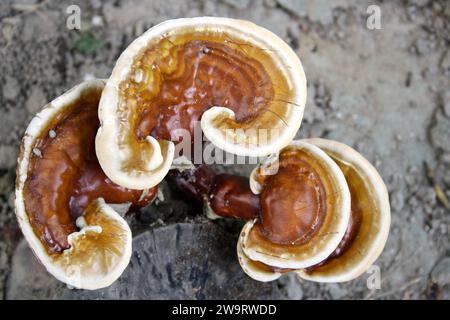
(386, 92)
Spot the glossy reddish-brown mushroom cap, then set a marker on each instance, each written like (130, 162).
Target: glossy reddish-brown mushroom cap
(59, 181)
(365, 233)
(242, 83)
(293, 203)
(305, 209)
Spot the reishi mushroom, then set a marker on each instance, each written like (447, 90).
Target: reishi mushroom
(243, 84)
(319, 208)
(62, 194)
(315, 207)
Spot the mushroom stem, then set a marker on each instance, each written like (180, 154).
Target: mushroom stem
(193, 184)
(231, 197)
(227, 195)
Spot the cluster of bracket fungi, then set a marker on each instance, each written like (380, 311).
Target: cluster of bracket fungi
(315, 207)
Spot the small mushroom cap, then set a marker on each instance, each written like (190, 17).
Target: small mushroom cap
(101, 250)
(369, 190)
(337, 196)
(138, 165)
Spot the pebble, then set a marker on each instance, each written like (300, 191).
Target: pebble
(397, 200)
(36, 100)
(446, 158)
(88, 76)
(336, 291)
(37, 152)
(52, 134)
(97, 21)
(445, 62)
(423, 46)
(8, 156)
(11, 88)
(291, 284)
(440, 132)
